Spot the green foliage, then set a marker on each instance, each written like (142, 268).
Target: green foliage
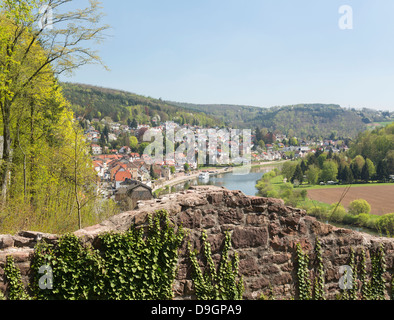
(129, 108)
(312, 174)
(337, 213)
(288, 169)
(376, 145)
(220, 284)
(359, 206)
(298, 175)
(134, 265)
(378, 269)
(16, 290)
(385, 224)
(319, 276)
(302, 121)
(270, 296)
(365, 286)
(37, 122)
(142, 267)
(77, 270)
(319, 212)
(329, 171)
(303, 275)
(353, 267)
(373, 287)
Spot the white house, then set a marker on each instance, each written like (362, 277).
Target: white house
(96, 149)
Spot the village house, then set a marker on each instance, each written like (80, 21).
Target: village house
(134, 157)
(112, 137)
(125, 150)
(132, 191)
(96, 149)
(121, 176)
(99, 168)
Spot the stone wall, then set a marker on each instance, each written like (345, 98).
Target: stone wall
(264, 233)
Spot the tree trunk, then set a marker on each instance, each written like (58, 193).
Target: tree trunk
(7, 153)
(76, 181)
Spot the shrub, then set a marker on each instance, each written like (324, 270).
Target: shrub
(363, 219)
(286, 190)
(269, 175)
(359, 206)
(385, 224)
(337, 213)
(272, 194)
(319, 212)
(349, 219)
(304, 194)
(265, 189)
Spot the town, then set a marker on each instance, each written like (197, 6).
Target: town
(126, 172)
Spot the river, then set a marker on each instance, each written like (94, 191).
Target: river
(245, 183)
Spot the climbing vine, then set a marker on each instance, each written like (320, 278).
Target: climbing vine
(378, 269)
(16, 290)
(353, 267)
(139, 264)
(221, 284)
(142, 266)
(361, 286)
(77, 270)
(319, 276)
(365, 288)
(304, 282)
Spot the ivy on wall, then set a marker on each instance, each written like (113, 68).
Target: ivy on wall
(16, 290)
(363, 286)
(211, 283)
(303, 274)
(142, 267)
(136, 265)
(319, 276)
(77, 270)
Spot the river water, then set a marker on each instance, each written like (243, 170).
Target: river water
(245, 183)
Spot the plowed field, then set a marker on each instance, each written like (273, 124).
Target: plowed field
(381, 198)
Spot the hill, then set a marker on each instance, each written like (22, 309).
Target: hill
(121, 106)
(303, 120)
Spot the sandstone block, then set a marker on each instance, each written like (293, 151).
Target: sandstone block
(231, 216)
(250, 237)
(6, 241)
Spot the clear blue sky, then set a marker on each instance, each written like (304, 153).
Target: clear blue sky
(253, 52)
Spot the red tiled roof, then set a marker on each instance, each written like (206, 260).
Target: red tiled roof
(122, 175)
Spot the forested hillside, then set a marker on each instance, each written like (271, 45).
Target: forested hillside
(121, 106)
(304, 120)
(309, 120)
